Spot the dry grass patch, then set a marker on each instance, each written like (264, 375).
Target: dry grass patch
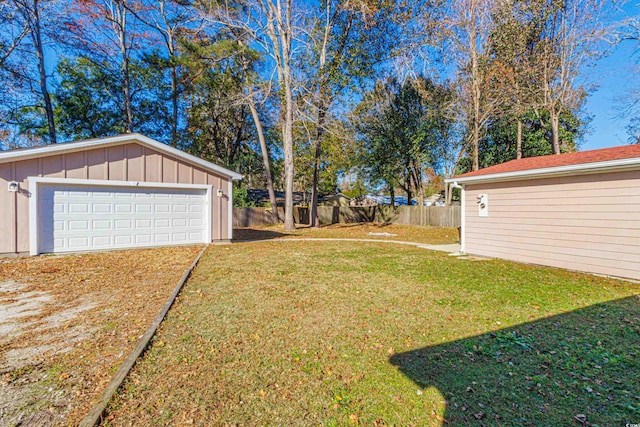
(372, 231)
(69, 321)
(346, 333)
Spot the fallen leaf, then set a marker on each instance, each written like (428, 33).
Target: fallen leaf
(581, 418)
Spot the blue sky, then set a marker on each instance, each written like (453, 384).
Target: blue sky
(615, 77)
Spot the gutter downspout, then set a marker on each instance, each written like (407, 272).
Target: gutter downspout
(462, 215)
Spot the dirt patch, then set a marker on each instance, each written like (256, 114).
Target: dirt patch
(66, 324)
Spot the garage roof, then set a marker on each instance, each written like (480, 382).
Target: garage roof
(582, 162)
(55, 149)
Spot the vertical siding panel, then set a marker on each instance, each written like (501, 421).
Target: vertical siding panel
(75, 165)
(153, 166)
(169, 170)
(199, 176)
(185, 172)
(7, 210)
(97, 164)
(116, 162)
(23, 170)
(52, 166)
(215, 208)
(135, 162)
(222, 212)
(225, 204)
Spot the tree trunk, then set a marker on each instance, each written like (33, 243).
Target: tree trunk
(287, 137)
(126, 94)
(174, 105)
(555, 132)
(475, 92)
(287, 140)
(37, 41)
(265, 160)
(519, 140)
(124, 66)
(313, 212)
(392, 193)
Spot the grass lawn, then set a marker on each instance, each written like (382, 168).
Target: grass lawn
(371, 231)
(344, 333)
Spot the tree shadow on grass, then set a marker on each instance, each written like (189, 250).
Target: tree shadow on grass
(245, 234)
(581, 367)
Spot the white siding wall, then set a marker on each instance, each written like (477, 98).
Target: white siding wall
(588, 223)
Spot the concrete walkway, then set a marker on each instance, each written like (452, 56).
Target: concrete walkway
(452, 248)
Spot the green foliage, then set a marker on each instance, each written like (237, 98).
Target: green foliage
(89, 100)
(219, 123)
(336, 156)
(356, 189)
(403, 131)
(500, 144)
(241, 197)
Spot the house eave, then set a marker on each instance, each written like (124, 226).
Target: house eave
(64, 148)
(620, 165)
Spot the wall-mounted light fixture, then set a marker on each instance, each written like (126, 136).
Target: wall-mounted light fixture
(219, 193)
(14, 187)
(483, 204)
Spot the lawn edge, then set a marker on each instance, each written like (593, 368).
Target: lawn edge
(95, 416)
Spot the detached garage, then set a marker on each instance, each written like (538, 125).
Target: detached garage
(121, 192)
(579, 211)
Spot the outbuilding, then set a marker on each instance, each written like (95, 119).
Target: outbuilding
(124, 191)
(579, 211)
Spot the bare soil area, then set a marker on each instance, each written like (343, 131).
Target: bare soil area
(68, 322)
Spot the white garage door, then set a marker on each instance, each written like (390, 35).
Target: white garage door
(79, 218)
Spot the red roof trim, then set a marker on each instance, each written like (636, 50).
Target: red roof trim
(559, 160)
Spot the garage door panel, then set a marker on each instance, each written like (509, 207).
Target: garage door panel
(162, 238)
(78, 208)
(78, 242)
(123, 224)
(100, 224)
(161, 223)
(101, 241)
(123, 240)
(73, 219)
(102, 208)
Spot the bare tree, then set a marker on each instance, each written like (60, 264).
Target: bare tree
(105, 32)
(23, 23)
(628, 31)
(171, 20)
(250, 98)
(572, 33)
(347, 39)
(469, 25)
(513, 62)
(270, 25)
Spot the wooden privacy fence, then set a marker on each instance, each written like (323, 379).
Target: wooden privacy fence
(434, 216)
